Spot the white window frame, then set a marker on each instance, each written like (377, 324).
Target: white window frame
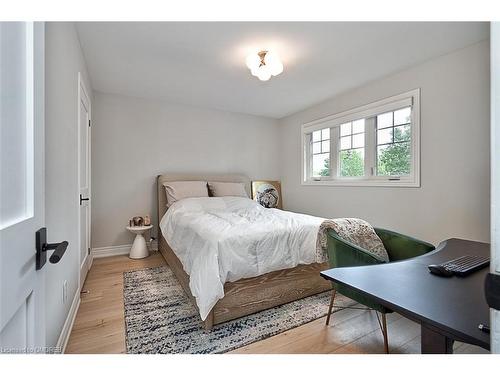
(333, 122)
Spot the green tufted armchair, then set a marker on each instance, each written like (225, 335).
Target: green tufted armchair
(345, 254)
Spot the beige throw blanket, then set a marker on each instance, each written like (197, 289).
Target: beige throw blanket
(355, 231)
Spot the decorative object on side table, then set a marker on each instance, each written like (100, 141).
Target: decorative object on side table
(139, 248)
(267, 193)
(138, 221)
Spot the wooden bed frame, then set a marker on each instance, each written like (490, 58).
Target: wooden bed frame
(245, 296)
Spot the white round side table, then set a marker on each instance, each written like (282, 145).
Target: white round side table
(139, 248)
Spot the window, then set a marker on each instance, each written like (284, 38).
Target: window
(394, 143)
(352, 149)
(373, 145)
(321, 152)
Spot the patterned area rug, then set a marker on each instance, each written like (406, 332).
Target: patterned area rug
(160, 318)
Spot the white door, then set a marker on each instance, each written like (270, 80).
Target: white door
(21, 185)
(84, 129)
(495, 173)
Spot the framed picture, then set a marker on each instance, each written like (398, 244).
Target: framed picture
(267, 193)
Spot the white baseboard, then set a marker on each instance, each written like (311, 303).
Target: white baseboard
(68, 324)
(109, 251)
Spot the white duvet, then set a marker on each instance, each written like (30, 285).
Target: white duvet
(230, 238)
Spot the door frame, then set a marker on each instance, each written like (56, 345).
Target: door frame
(495, 172)
(83, 90)
(39, 120)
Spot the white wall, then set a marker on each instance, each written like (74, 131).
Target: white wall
(134, 140)
(63, 61)
(453, 200)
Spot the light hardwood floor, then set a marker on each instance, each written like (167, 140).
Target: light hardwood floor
(100, 328)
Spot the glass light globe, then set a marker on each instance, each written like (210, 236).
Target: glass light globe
(255, 71)
(270, 58)
(264, 73)
(253, 61)
(273, 62)
(276, 68)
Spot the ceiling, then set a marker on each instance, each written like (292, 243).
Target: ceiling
(203, 63)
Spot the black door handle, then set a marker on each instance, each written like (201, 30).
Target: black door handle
(83, 199)
(42, 247)
(60, 249)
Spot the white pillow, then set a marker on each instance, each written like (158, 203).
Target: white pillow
(203, 204)
(227, 189)
(177, 190)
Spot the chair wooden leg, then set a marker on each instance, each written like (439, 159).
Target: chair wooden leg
(384, 332)
(330, 308)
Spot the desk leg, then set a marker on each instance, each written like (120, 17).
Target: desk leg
(433, 342)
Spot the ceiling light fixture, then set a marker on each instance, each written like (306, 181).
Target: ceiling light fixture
(264, 64)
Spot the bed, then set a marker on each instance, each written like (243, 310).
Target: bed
(247, 295)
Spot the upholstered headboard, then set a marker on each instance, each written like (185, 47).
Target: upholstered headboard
(162, 197)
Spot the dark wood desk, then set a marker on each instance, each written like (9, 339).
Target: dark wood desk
(447, 309)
